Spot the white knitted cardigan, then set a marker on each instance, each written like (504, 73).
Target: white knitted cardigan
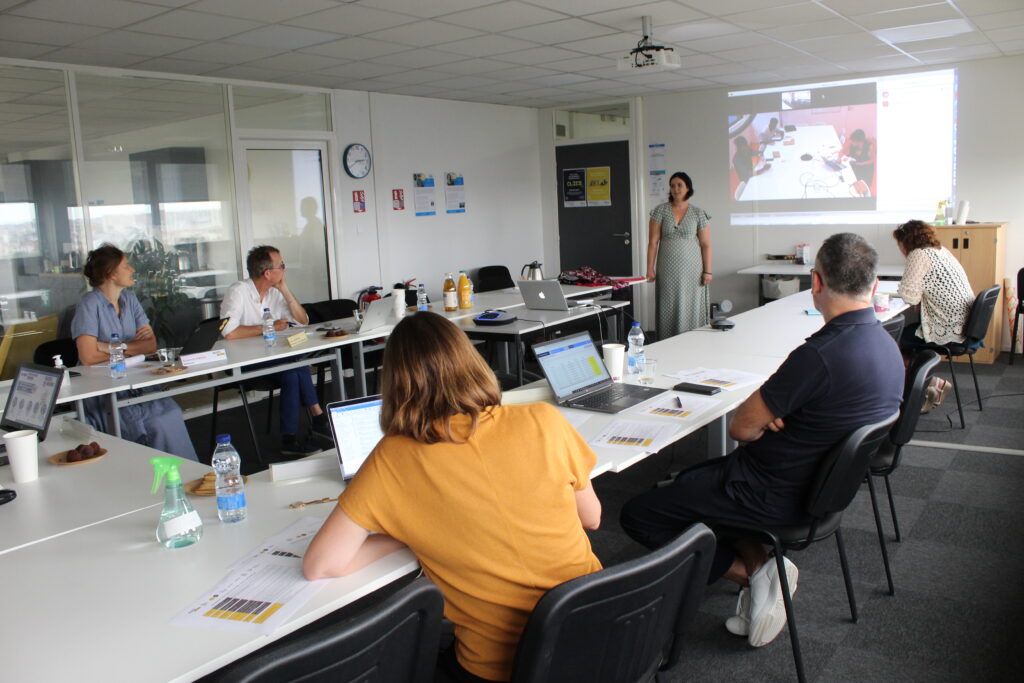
(936, 280)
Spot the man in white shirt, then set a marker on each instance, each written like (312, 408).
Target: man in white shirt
(243, 306)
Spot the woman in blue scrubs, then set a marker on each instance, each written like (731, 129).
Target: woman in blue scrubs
(111, 308)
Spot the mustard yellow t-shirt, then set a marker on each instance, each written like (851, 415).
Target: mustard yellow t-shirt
(493, 521)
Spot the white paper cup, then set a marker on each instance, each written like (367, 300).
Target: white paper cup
(23, 453)
(614, 357)
(881, 302)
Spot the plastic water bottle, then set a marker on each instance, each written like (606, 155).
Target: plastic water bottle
(636, 349)
(269, 331)
(230, 487)
(422, 303)
(118, 369)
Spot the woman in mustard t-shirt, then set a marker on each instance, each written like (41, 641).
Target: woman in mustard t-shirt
(492, 499)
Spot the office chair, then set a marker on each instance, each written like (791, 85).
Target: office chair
(974, 335)
(894, 326)
(1017, 314)
(642, 607)
(67, 349)
(490, 278)
(839, 476)
(887, 458)
(394, 642)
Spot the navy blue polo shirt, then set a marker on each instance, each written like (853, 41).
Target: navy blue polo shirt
(846, 375)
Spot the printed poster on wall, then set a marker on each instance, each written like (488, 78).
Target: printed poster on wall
(574, 187)
(454, 192)
(359, 201)
(656, 185)
(423, 194)
(398, 199)
(599, 186)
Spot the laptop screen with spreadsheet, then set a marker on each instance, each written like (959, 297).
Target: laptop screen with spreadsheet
(355, 425)
(571, 364)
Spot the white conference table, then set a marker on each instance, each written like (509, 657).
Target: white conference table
(791, 177)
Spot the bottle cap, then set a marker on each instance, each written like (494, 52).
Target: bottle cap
(223, 438)
(636, 323)
(165, 466)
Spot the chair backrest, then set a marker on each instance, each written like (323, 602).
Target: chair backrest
(396, 640)
(621, 623)
(1020, 291)
(844, 467)
(330, 309)
(894, 326)
(915, 388)
(67, 349)
(490, 278)
(980, 316)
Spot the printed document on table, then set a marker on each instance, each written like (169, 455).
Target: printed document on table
(261, 591)
(723, 378)
(649, 436)
(675, 405)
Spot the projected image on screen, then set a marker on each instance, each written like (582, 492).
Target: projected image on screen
(865, 151)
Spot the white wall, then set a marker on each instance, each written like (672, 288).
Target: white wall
(989, 171)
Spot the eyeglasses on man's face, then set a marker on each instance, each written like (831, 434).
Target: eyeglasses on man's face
(280, 267)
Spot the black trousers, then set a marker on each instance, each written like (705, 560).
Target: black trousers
(701, 493)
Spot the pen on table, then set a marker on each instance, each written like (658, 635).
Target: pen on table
(679, 402)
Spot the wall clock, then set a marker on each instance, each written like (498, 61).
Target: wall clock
(356, 160)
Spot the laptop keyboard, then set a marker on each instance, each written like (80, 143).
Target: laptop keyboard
(601, 398)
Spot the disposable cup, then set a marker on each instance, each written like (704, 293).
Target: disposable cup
(23, 454)
(614, 357)
(881, 302)
(648, 370)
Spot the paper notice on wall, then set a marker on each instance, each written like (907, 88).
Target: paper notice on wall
(657, 188)
(454, 192)
(599, 186)
(574, 187)
(359, 201)
(398, 199)
(423, 194)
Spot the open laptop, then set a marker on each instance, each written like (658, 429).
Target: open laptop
(204, 336)
(31, 398)
(355, 425)
(544, 295)
(377, 314)
(579, 379)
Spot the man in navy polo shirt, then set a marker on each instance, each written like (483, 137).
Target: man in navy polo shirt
(846, 375)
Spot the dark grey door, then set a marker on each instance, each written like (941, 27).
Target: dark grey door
(597, 236)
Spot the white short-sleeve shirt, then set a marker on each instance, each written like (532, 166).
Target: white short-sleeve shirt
(242, 306)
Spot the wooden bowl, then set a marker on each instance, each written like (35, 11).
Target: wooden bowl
(61, 458)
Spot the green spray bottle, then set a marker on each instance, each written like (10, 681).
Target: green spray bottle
(180, 525)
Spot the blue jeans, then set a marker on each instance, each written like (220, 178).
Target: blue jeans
(296, 389)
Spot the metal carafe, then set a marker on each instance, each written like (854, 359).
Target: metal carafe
(531, 271)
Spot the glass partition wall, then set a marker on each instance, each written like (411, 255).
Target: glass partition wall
(144, 164)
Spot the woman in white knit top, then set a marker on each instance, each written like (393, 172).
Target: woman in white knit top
(936, 280)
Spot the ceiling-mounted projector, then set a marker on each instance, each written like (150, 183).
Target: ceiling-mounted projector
(648, 57)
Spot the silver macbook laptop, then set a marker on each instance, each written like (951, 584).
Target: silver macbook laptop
(579, 379)
(544, 295)
(355, 425)
(377, 314)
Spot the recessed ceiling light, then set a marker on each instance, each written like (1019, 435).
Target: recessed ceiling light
(929, 31)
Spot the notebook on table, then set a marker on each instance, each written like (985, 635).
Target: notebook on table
(545, 295)
(355, 426)
(579, 378)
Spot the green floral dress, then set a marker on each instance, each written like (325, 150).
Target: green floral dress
(683, 301)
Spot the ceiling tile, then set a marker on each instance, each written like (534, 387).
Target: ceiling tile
(963, 40)
(269, 11)
(195, 25)
(108, 13)
(520, 73)
(297, 61)
(506, 87)
(717, 70)
(733, 41)
(21, 29)
(578, 64)
(74, 55)
(561, 79)
(553, 93)
(816, 29)
(472, 66)
(578, 8)
(415, 76)
(424, 33)
(351, 20)
(417, 58)
(355, 48)
(137, 43)
(460, 82)
(485, 46)
(413, 90)
(694, 61)
(281, 37)
(681, 34)
(764, 52)
(362, 70)
(224, 53)
(316, 80)
(790, 15)
(882, 63)
(999, 19)
(538, 55)
(935, 29)
(247, 73)
(719, 8)
(958, 54)
(661, 13)
(987, 6)
(906, 17)
(178, 66)
(619, 43)
(1004, 34)
(17, 50)
(1011, 47)
(851, 8)
(433, 8)
(557, 32)
(504, 16)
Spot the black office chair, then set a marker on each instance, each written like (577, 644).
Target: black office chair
(393, 642)
(490, 278)
(894, 326)
(641, 608)
(839, 476)
(337, 309)
(330, 309)
(974, 334)
(68, 350)
(887, 458)
(1017, 314)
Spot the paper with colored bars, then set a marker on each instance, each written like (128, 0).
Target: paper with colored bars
(631, 434)
(263, 589)
(675, 405)
(723, 378)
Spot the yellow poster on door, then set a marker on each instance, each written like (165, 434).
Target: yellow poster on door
(599, 186)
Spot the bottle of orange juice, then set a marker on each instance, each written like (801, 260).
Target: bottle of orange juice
(465, 291)
(451, 297)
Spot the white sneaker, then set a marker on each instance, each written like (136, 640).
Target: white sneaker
(767, 608)
(739, 625)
